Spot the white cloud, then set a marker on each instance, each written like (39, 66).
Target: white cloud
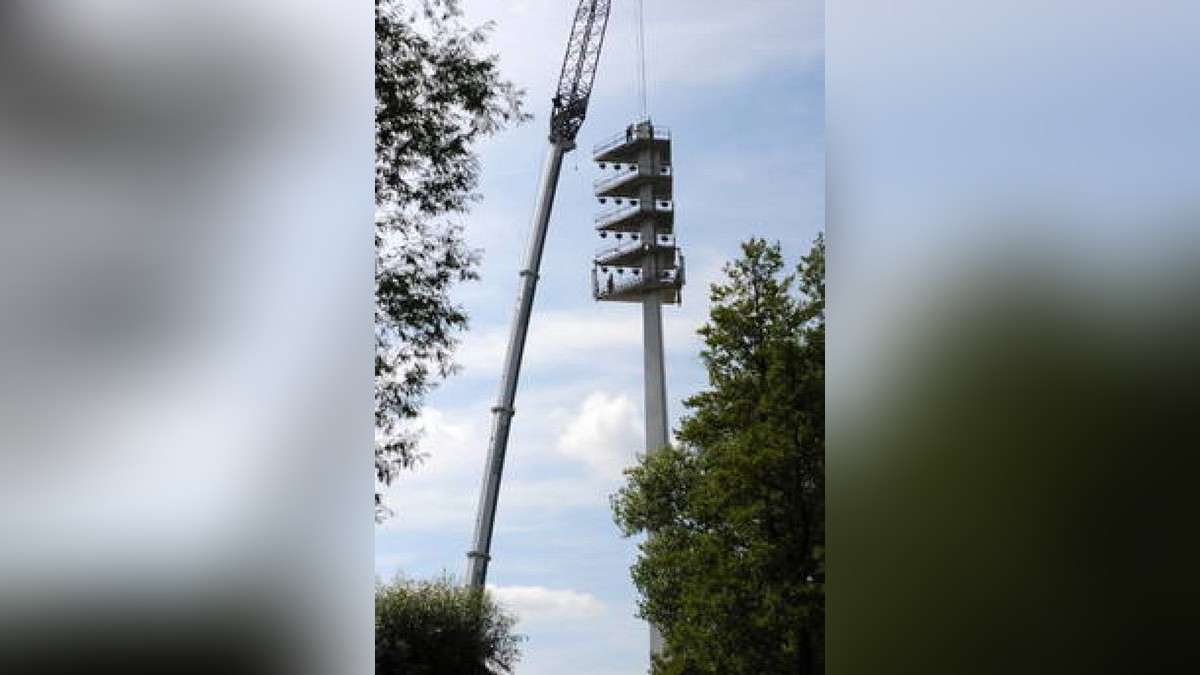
(603, 433)
(529, 500)
(432, 496)
(440, 493)
(445, 434)
(593, 337)
(539, 602)
(555, 338)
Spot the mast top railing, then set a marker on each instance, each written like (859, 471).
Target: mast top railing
(639, 132)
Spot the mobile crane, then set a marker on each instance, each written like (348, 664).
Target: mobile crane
(569, 107)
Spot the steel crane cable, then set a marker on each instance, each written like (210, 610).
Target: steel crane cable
(641, 57)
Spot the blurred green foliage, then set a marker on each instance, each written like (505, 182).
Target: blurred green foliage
(1019, 494)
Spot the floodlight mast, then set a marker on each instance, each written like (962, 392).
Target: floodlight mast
(569, 107)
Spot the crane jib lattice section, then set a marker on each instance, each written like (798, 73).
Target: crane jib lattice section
(569, 105)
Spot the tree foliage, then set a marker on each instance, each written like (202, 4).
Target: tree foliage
(437, 627)
(733, 572)
(435, 96)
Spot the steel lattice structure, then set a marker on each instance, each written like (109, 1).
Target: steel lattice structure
(579, 69)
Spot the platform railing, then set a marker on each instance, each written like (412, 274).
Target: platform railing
(623, 211)
(654, 131)
(632, 242)
(623, 173)
(619, 211)
(626, 172)
(611, 280)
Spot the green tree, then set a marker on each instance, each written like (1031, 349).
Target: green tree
(733, 572)
(437, 627)
(435, 96)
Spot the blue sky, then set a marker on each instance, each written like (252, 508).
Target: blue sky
(742, 92)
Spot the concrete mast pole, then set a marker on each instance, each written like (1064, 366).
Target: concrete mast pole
(503, 411)
(656, 400)
(655, 385)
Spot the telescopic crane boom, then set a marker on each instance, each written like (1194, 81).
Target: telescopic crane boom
(569, 107)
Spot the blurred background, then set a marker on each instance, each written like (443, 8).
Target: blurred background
(1012, 209)
(184, 335)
